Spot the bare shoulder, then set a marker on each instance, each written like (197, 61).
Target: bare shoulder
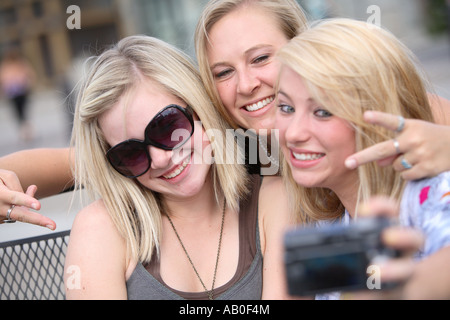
(273, 208)
(272, 193)
(94, 226)
(98, 251)
(271, 183)
(274, 219)
(94, 212)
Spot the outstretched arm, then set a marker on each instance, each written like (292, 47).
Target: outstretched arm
(49, 169)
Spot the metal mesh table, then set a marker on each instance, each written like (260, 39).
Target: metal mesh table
(33, 268)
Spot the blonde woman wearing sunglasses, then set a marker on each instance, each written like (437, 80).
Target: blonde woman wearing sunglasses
(169, 219)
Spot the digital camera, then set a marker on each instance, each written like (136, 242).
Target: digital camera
(333, 257)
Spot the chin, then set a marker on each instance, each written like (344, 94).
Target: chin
(303, 181)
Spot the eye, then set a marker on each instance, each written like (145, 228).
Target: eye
(261, 58)
(222, 74)
(285, 108)
(322, 113)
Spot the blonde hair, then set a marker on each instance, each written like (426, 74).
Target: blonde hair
(350, 67)
(291, 19)
(136, 210)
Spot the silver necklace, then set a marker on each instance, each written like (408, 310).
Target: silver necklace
(268, 154)
(210, 292)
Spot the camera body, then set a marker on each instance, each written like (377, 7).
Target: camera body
(333, 257)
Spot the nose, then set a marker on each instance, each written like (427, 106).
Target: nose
(160, 158)
(247, 82)
(297, 130)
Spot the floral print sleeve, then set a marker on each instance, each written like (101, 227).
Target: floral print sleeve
(426, 206)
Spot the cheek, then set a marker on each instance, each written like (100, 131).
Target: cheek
(194, 145)
(271, 74)
(350, 140)
(199, 139)
(281, 124)
(225, 92)
(344, 143)
(201, 146)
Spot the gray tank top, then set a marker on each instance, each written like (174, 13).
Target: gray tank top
(145, 283)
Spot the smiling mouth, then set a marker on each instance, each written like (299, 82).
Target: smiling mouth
(178, 170)
(307, 156)
(259, 105)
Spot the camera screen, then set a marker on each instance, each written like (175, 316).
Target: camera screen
(331, 258)
(328, 273)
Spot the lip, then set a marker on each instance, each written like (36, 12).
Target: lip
(309, 158)
(261, 111)
(182, 174)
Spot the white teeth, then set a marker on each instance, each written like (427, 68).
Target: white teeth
(178, 170)
(307, 156)
(259, 104)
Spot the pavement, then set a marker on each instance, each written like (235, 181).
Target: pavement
(51, 128)
(51, 124)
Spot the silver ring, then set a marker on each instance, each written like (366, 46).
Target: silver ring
(406, 164)
(8, 215)
(397, 146)
(401, 124)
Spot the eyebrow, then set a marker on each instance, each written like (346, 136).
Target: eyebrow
(246, 52)
(284, 94)
(257, 47)
(310, 99)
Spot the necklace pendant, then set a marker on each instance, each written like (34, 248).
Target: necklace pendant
(210, 293)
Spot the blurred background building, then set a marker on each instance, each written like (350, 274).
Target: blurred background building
(39, 27)
(42, 30)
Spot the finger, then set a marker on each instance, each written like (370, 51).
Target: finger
(420, 168)
(397, 270)
(10, 180)
(414, 173)
(19, 199)
(381, 151)
(386, 120)
(407, 240)
(22, 214)
(391, 294)
(387, 161)
(397, 164)
(410, 170)
(31, 190)
(378, 206)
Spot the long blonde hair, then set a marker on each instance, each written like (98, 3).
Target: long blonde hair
(136, 210)
(290, 15)
(350, 67)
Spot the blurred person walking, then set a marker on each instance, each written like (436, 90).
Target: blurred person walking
(16, 80)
